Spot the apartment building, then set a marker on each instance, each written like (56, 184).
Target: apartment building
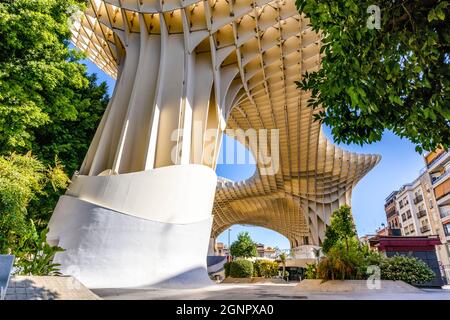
(392, 215)
(221, 249)
(438, 168)
(266, 252)
(414, 202)
(422, 207)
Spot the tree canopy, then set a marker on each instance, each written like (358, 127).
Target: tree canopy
(39, 74)
(48, 104)
(341, 229)
(395, 77)
(243, 247)
(22, 178)
(49, 111)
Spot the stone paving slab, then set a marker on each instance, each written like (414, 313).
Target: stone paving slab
(47, 288)
(385, 286)
(263, 292)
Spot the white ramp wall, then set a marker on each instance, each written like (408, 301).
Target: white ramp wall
(154, 233)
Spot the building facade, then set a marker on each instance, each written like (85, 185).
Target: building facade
(392, 215)
(266, 252)
(438, 168)
(422, 207)
(415, 209)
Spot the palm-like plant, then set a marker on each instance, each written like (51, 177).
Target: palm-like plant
(316, 252)
(282, 257)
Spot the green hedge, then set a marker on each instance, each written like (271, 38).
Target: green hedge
(407, 269)
(226, 267)
(241, 269)
(265, 268)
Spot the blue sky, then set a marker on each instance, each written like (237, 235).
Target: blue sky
(400, 164)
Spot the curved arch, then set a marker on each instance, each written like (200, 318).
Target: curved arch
(249, 227)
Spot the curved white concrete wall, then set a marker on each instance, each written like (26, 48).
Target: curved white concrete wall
(174, 194)
(107, 248)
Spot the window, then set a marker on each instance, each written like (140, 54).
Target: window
(447, 229)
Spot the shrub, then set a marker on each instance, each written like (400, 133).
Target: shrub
(226, 267)
(342, 265)
(257, 268)
(241, 269)
(265, 268)
(407, 269)
(34, 255)
(311, 271)
(268, 269)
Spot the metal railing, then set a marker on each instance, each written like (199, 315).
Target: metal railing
(421, 213)
(435, 180)
(418, 199)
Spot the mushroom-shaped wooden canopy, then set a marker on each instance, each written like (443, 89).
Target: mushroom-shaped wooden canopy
(255, 50)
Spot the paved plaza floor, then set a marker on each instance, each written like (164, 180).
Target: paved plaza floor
(264, 292)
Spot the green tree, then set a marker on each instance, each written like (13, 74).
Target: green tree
(68, 140)
(243, 247)
(393, 78)
(341, 229)
(39, 74)
(47, 102)
(21, 179)
(48, 105)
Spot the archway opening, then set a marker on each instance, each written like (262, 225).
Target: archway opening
(264, 237)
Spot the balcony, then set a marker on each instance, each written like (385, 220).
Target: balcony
(444, 212)
(391, 212)
(433, 157)
(435, 180)
(408, 214)
(418, 199)
(421, 213)
(424, 229)
(442, 190)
